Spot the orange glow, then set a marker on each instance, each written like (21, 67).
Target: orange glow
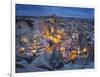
(62, 49)
(52, 34)
(73, 55)
(56, 38)
(48, 49)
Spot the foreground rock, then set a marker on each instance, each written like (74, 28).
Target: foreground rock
(41, 62)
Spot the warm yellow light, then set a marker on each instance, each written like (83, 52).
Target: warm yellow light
(52, 29)
(62, 49)
(58, 36)
(79, 51)
(33, 51)
(48, 49)
(55, 40)
(51, 37)
(84, 50)
(73, 55)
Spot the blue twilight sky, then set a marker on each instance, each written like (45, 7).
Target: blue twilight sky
(37, 10)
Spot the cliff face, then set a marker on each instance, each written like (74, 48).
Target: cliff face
(23, 28)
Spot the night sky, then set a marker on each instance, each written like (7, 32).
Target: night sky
(37, 10)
